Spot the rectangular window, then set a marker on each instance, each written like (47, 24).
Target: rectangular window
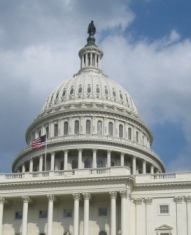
(43, 214)
(18, 215)
(164, 209)
(102, 211)
(67, 212)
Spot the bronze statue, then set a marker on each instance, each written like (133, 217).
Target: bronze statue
(91, 28)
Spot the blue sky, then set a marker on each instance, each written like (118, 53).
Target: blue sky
(147, 49)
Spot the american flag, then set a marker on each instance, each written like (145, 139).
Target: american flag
(39, 142)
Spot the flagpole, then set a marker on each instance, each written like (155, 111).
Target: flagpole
(45, 155)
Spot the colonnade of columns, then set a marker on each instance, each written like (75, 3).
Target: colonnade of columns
(76, 196)
(132, 162)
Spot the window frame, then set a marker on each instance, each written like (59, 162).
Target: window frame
(163, 213)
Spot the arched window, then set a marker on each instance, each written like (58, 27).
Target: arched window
(55, 129)
(75, 164)
(129, 133)
(99, 127)
(80, 89)
(72, 91)
(64, 93)
(76, 127)
(121, 97)
(137, 136)
(114, 93)
(97, 89)
(47, 132)
(89, 89)
(88, 127)
(87, 163)
(106, 91)
(99, 163)
(65, 128)
(120, 130)
(110, 128)
(57, 95)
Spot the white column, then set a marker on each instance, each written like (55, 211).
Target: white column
(25, 214)
(23, 168)
(134, 165)
(188, 214)
(86, 212)
(50, 213)
(139, 215)
(76, 197)
(31, 165)
(52, 161)
(152, 169)
(108, 158)
(124, 218)
(113, 196)
(122, 159)
(94, 158)
(80, 158)
(2, 200)
(65, 160)
(144, 167)
(40, 163)
(180, 229)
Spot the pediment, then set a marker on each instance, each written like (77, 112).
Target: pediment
(164, 227)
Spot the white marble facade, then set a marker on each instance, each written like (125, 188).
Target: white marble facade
(97, 174)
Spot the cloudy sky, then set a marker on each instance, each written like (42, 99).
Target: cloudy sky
(147, 49)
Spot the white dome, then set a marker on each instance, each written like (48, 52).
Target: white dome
(91, 86)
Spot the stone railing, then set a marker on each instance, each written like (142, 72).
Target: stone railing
(68, 173)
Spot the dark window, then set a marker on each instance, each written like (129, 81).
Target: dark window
(87, 163)
(88, 127)
(129, 133)
(62, 165)
(39, 133)
(67, 212)
(102, 211)
(106, 91)
(76, 128)
(43, 214)
(121, 97)
(114, 93)
(99, 127)
(18, 215)
(102, 233)
(65, 128)
(110, 128)
(99, 163)
(89, 89)
(72, 91)
(57, 95)
(97, 90)
(64, 93)
(80, 90)
(47, 132)
(55, 129)
(74, 164)
(164, 209)
(137, 136)
(120, 130)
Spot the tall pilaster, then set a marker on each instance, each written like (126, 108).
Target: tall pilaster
(76, 197)
(139, 215)
(123, 195)
(50, 213)
(188, 214)
(65, 160)
(40, 163)
(179, 216)
(79, 158)
(52, 161)
(94, 158)
(2, 201)
(31, 165)
(144, 167)
(134, 165)
(25, 214)
(86, 212)
(122, 159)
(113, 196)
(108, 158)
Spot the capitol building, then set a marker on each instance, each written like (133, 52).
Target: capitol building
(96, 174)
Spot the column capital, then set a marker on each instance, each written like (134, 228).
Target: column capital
(122, 154)
(178, 200)
(148, 201)
(94, 150)
(50, 197)
(188, 199)
(76, 196)
(65, 150)
(109, 151)
(52, 153)
(25, 198)
(86, 196)
(113, 194)
(123, 194)
(80, 150)
(138, 201)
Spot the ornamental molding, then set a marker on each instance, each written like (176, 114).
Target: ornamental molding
(187, 199)
(25, 198)
(76, 196)
(148, 201)
(138, 201)
(178, 200)
(50, 197)
(86, 196)
(123, 194)
(113, 194)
